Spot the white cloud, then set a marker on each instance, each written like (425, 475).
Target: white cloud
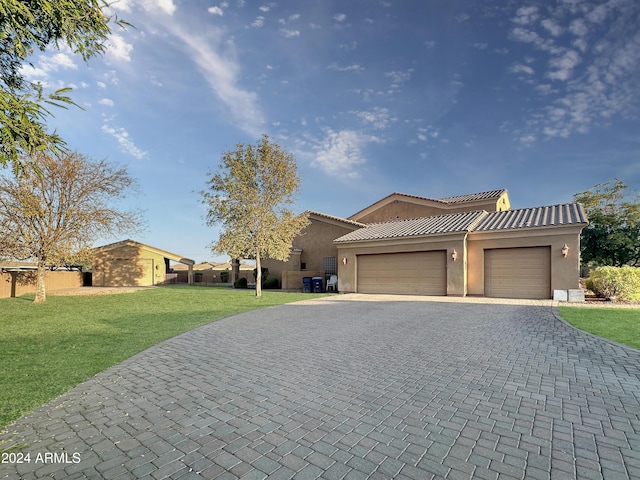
(118, 49)
(287, 33)
(551, 26)
(101, 85)
(340, 17)
(267, 7)
(122, 136)
(563, 66)
(106, 101)
(258, 22)
(221, 70)
(526, 15)
(520, 68)
(45, 65)
(378, 118)
(340, 153)
(348, 68)
(215, 10)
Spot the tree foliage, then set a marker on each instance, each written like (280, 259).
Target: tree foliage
(36, 25)
(57, 207)
(249, 196)
(613, 234)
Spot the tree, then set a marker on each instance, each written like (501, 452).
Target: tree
(57, 207)
(27, 26)
(249, 196)
(613, 234)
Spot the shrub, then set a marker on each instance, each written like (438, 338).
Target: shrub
(240, 283)
(615, 283)
(265, 274)
(224, 276)
(271, 283)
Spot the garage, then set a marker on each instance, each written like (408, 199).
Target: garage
(133, 271)
(518, 272)
(417, 273)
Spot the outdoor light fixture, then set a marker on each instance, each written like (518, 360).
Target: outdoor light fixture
(454, 255)
(565, 250)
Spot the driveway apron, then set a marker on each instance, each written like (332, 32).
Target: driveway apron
(350, 387)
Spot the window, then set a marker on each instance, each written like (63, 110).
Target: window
(330, 265)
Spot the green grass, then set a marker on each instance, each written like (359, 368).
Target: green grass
(46, 349)
(619, 324)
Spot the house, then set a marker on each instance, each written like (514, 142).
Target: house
(464, 245)
(130, 263)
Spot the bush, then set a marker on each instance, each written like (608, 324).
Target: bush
(240, 283)
(615, 283)
(224, 276)
(271, 283)
(265, 274)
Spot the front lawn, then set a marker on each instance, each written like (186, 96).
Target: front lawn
(46, 349)
(619, 324)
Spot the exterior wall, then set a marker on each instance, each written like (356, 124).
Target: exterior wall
(406, 210)
(316, 242)
(18, 283)
(565, 272)
(456, 274)
(126, 266)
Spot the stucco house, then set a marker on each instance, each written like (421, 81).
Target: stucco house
(464, 245)
(129, 263)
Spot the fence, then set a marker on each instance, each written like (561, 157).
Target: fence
(14, 284)
(209, 277)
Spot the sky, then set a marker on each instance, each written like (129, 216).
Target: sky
(431, 98)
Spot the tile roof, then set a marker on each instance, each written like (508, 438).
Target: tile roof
(493, 194)
(552, 215)
(451, 223)
(338, 219)
(476, 221)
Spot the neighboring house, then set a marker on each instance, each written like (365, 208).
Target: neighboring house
(129, 263)
(464, 245)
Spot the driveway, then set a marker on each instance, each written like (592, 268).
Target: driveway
(352, 387)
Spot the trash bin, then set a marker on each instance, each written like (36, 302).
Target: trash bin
(317, 284)
(307, 286)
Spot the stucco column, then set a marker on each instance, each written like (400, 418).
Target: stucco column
(190, 275)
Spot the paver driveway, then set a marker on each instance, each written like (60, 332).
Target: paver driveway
(352, 387)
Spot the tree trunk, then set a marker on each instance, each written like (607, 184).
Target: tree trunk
(41, 295)
(258, 275)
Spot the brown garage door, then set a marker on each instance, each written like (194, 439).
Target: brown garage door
(415, 273)
(518, 272)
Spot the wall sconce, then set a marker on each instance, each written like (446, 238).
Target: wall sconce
(345, 260)
(454, 255)
(565, 250)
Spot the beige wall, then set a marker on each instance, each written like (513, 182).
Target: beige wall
(19, 283)
(406, 210)
(565, 272)
(316, 242)
(466, 275)
(126, 266)
(456, 285)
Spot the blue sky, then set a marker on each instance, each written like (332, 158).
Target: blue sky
(432, 98)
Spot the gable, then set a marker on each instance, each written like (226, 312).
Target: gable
(398, 206)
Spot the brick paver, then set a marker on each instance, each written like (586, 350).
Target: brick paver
(351, 387)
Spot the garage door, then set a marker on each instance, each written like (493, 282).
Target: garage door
(129, 272)
(416, 273)
(518, 272)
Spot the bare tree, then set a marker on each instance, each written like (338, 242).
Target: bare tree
(58, 206)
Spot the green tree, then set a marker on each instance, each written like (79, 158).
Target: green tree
(28, 26)
(249, 196)
(57, 207)
(613, 234)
